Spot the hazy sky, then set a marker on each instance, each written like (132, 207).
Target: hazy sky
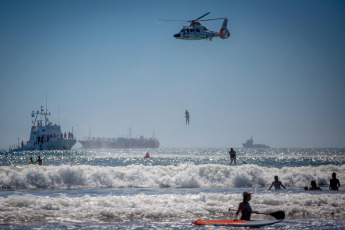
(112, 65)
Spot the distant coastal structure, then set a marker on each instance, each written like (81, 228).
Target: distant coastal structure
(250, 144)
(119, 143)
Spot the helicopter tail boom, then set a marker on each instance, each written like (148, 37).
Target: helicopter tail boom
(224, 32)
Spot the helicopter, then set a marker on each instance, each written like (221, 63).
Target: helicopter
(196, 31)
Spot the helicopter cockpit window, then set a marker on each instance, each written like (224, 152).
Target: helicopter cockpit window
(205, 28)
(197, 30)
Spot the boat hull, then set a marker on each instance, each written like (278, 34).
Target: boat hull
(64, 144)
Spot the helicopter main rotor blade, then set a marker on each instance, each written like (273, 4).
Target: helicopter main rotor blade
(173, 20)
(195, 20)
(201, 16)
(211, 19)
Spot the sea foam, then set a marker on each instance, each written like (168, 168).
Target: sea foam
(187, 175)
(28, 207)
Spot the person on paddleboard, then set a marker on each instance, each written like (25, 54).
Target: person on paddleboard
(276, 183)
(232, 156)
(334, 183)
(244, 207)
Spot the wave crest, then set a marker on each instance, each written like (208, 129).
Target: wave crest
(180, 176)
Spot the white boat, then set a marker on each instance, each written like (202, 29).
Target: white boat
(250, 144)
(46, 135)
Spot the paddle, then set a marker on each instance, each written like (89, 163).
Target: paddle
(242, 160)
(279, 215)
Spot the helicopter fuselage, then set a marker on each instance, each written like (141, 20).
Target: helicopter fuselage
(196, 31)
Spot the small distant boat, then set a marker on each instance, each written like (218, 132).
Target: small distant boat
(45, 136)
(250, 144)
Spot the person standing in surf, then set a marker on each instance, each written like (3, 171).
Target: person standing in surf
(244, 207)
(334, 183)
(233, 156)
(276, 183)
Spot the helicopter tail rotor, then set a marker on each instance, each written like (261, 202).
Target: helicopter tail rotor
(224, 32)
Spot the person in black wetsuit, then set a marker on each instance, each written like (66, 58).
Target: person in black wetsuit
(334, 183)
(244, 207)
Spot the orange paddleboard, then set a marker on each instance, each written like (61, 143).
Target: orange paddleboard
(222, 222)
(236, 223)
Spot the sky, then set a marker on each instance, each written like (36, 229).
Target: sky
(107, 67)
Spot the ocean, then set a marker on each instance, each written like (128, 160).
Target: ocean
(120, 189)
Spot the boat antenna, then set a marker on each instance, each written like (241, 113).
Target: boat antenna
(59, 114)
(45, 114)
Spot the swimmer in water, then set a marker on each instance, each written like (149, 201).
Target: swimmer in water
(31, 161)
(39, 160)
(334, 183)
(276, 183)
(314, 187)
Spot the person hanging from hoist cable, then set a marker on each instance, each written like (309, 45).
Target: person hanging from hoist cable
(187, 117)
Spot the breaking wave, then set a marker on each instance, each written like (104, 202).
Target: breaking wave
(187, 175)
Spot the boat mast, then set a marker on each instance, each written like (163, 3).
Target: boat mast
(59, 114)
(45, 114)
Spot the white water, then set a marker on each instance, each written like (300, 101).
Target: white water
(180, 176)
(64, 206)
(107, 190)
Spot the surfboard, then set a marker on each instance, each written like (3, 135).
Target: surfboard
(237, 223)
